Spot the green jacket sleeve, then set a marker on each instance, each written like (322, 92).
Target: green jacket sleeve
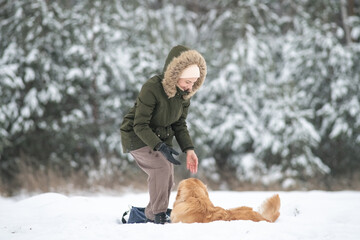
(181, 132)
(145, 105)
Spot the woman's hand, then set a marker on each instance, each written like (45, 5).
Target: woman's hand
(191, 161)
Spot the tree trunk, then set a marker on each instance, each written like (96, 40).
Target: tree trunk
(344, 15)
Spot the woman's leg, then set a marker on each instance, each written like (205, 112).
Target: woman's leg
(160, 179)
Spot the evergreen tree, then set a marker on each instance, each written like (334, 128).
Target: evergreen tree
(32, 84)
(280, 103)
(61, 86)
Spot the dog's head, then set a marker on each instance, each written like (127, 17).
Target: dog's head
(192, 204)
(191, 187)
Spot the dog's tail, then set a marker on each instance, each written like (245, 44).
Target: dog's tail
(269, 209)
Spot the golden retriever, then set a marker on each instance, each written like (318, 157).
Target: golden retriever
(192, 204)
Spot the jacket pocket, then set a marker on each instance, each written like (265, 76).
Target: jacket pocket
(164, 132)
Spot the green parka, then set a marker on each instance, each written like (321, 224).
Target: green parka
(161, 107)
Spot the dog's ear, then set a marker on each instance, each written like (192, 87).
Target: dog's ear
(182, 192)
(204, 189)
(178, 193)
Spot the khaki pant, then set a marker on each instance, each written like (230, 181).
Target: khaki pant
(160, 179)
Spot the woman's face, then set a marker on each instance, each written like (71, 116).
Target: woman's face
(186, 84)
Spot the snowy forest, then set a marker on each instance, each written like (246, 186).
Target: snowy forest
(279, 109)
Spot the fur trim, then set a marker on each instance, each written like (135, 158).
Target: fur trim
(176, 67)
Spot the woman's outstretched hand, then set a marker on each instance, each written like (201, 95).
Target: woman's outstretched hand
(191, 161)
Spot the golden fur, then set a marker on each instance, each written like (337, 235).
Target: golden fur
(192, 204)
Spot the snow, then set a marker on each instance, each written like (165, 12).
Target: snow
(304, 215)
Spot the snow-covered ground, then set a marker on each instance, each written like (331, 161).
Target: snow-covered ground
(304, 215)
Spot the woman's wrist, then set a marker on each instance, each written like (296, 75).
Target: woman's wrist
(190, 151)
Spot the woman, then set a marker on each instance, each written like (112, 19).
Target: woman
(158, 115)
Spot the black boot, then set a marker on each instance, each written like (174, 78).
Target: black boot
(161, 218)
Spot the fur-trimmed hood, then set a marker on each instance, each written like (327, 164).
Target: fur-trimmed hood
(178, 59)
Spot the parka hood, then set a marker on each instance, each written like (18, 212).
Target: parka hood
(177, 60)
